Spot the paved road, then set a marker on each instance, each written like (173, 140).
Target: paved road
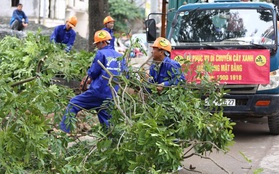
(251, 138)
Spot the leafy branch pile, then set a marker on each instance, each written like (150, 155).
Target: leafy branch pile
(150, 133)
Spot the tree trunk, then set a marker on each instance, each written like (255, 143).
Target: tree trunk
(97, 11)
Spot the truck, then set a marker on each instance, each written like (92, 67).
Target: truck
(240, 39)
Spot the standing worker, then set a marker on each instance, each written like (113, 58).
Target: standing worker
(164, 71)
(65, 34)
(99, 89)
(19, 20)
(109, 24)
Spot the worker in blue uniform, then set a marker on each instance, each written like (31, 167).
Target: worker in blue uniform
(19, 20)
(109, 24)
(65, 34)
(164, 71)
(99, 89)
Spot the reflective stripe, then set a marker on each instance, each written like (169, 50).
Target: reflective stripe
(109, 68)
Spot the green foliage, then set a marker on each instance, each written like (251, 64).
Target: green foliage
(24, 141)
(149, 133)
(152, 132)
(256, 171)
(125, 13)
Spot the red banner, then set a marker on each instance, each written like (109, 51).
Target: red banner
(229, 66)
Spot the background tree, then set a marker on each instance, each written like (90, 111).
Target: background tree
(97, 11)
(126, 14)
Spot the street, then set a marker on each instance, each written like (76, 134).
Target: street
(252, 138)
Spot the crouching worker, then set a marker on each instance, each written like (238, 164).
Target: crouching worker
(19, 20)
(99, 89)
(164, 71)
(64, 34)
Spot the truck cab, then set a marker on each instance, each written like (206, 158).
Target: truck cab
(240, 39)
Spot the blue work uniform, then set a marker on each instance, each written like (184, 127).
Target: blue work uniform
(63, 36)
(112, 36)
(168, 72)
(99, 89)
(17, 16)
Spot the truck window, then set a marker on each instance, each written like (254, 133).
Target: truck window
(224, 27)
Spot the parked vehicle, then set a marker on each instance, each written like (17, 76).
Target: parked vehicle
(141, 37)
(240, 39)
(119, 46)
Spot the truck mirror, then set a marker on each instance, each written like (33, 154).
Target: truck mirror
(150, 25)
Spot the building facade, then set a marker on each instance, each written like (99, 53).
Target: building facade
(51, 12)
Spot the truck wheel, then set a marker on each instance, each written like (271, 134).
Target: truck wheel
(273, 124)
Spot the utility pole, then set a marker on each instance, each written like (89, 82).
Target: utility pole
(164, 12)
(44, 13)
(39, 13)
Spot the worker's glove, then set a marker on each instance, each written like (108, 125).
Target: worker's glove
(85, 83)
(67, 49)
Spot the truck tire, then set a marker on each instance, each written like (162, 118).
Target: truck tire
(273, 124)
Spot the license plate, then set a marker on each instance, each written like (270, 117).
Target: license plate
(224, 102)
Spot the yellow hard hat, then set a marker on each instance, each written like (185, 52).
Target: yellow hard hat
(72, 21)
(162, 43)
(101, 35)
(108, 19)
